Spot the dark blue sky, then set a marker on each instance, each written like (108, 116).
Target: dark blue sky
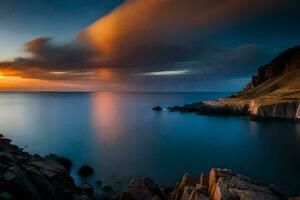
(166, 46)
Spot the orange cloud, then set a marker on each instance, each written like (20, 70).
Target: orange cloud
(140, 27)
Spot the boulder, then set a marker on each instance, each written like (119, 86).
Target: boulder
(157, 108)
(85, 170)
(142, 189)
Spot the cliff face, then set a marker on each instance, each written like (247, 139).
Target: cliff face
(278, 80)
(287, 61)
(286, 110)
(274, 92)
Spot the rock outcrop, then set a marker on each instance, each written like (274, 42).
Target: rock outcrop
(274, 92)
(256, 110)
(23, 176)
(219, 184)
(142, 189)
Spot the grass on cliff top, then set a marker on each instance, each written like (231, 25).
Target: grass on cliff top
(283, 88)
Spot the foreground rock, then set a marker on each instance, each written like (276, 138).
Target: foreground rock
(220, 184)
(24, 176)
(142, 189)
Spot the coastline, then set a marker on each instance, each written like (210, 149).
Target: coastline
(255, 109)
(26, 176)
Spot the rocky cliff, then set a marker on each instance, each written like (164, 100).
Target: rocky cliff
(283, 64)
(274, 92)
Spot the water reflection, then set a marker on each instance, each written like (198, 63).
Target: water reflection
(105, 115)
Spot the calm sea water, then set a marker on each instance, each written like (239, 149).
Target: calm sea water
(121, 137)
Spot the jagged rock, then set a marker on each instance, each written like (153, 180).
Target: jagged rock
(224, 184)
(203, 186)
(142, 189)
(85, 170)
(186, 181)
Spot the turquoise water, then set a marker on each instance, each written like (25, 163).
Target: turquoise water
(121, 137)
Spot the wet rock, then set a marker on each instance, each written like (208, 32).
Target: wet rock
(142, 189)
(157, 108)
(85, 170)
(66, 162)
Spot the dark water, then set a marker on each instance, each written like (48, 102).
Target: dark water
(121, 137)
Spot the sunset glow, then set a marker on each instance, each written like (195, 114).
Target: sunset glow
(136, 45)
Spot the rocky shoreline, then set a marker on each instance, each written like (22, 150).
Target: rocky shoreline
(255, 109)
(26, 176)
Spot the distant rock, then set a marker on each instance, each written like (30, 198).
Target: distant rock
(157, 108)
(85, 170)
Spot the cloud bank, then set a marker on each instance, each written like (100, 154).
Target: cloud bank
(145, 38)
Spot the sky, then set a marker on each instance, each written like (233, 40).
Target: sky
(141, 45)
